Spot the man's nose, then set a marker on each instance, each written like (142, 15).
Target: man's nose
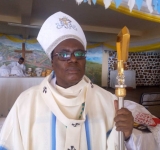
(73, 58)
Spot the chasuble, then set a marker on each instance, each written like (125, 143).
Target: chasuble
(49, 117)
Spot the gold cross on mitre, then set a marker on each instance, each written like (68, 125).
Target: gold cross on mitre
(65, 21)
(23, 51)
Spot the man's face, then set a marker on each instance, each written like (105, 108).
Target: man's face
(20, 61)
(69, 72)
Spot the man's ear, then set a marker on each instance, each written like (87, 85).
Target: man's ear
(52, 64)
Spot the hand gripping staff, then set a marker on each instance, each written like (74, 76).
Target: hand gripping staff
(122, 45)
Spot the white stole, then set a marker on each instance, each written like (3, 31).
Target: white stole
(75, 95)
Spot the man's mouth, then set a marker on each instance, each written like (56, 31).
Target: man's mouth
(72, 70)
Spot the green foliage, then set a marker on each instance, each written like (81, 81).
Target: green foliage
(94, 72)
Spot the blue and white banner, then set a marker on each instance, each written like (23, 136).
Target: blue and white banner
(132, 4)
(118, 2)
(139, 4)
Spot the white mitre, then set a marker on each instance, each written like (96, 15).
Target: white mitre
(58, 28)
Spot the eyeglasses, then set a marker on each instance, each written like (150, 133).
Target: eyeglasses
(65, 55)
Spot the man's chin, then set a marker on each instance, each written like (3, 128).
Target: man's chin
(74, 80)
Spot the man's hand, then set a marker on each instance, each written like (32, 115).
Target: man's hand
(124, 120)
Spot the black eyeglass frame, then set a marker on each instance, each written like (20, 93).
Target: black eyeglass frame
(70, 53)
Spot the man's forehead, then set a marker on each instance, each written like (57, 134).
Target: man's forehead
(69, 44)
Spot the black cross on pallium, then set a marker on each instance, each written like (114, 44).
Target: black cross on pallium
(91, 84)
(72, 148)
(44, 90)
(76, 124)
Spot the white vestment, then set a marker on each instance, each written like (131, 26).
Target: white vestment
(21, 66)
(46, 117)
(17, 69)
(5, 71)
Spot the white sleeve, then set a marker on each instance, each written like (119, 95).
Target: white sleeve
(10, 135)
(141, 141)
(130, 145)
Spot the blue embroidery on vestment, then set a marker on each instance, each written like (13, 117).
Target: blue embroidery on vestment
(53, 74)
(108, 133)
(2, 148)
(53, 132)
(87, 133)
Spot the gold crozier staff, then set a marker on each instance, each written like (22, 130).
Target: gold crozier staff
(122, 44)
